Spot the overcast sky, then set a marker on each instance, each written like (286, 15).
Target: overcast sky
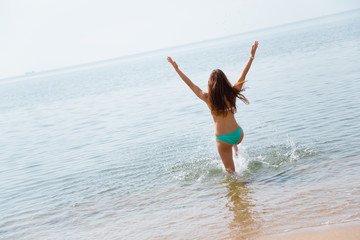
(38, 35)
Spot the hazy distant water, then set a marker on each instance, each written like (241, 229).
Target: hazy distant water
(124, 150)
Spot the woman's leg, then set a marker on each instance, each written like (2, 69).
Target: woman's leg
(225, 152)
(235, 147)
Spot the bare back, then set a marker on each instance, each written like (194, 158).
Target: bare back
(223, 124)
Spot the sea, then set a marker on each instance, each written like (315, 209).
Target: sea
(122, 149)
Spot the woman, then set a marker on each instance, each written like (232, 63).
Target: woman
(221, 100)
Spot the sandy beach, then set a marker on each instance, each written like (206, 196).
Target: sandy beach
(348, 231)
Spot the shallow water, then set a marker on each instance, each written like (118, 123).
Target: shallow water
(123, 149)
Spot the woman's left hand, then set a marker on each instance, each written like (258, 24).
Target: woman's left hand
(172, 63)
(253, 48)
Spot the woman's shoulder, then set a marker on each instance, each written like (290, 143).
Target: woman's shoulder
(206, 97)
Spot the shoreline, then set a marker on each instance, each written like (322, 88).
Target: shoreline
(343, 231)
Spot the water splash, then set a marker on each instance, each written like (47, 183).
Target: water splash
(278, 154)
(241, 161)
(248, 162)
(196, 169)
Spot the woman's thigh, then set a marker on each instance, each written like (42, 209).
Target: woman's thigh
(225, 152)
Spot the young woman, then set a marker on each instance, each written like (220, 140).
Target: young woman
(221, 100)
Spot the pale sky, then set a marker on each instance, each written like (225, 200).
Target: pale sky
(39, 35)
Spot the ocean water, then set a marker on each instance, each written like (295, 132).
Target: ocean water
(122, 149)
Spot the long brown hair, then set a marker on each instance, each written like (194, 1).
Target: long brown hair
(222, 95)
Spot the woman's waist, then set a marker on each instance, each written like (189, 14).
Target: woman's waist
(221, 129)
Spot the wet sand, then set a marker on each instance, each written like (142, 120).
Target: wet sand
(348, 231)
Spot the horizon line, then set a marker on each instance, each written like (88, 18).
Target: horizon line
(137, 54)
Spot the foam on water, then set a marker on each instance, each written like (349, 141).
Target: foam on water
(249, 165)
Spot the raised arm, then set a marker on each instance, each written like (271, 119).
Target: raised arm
(200, 93)
(238, 85)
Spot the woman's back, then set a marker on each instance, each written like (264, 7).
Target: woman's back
(224, 124)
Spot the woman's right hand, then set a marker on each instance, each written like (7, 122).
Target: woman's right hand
(253, 48)
(172, 63)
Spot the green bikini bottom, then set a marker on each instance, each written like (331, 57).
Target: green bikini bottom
(231, 138)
